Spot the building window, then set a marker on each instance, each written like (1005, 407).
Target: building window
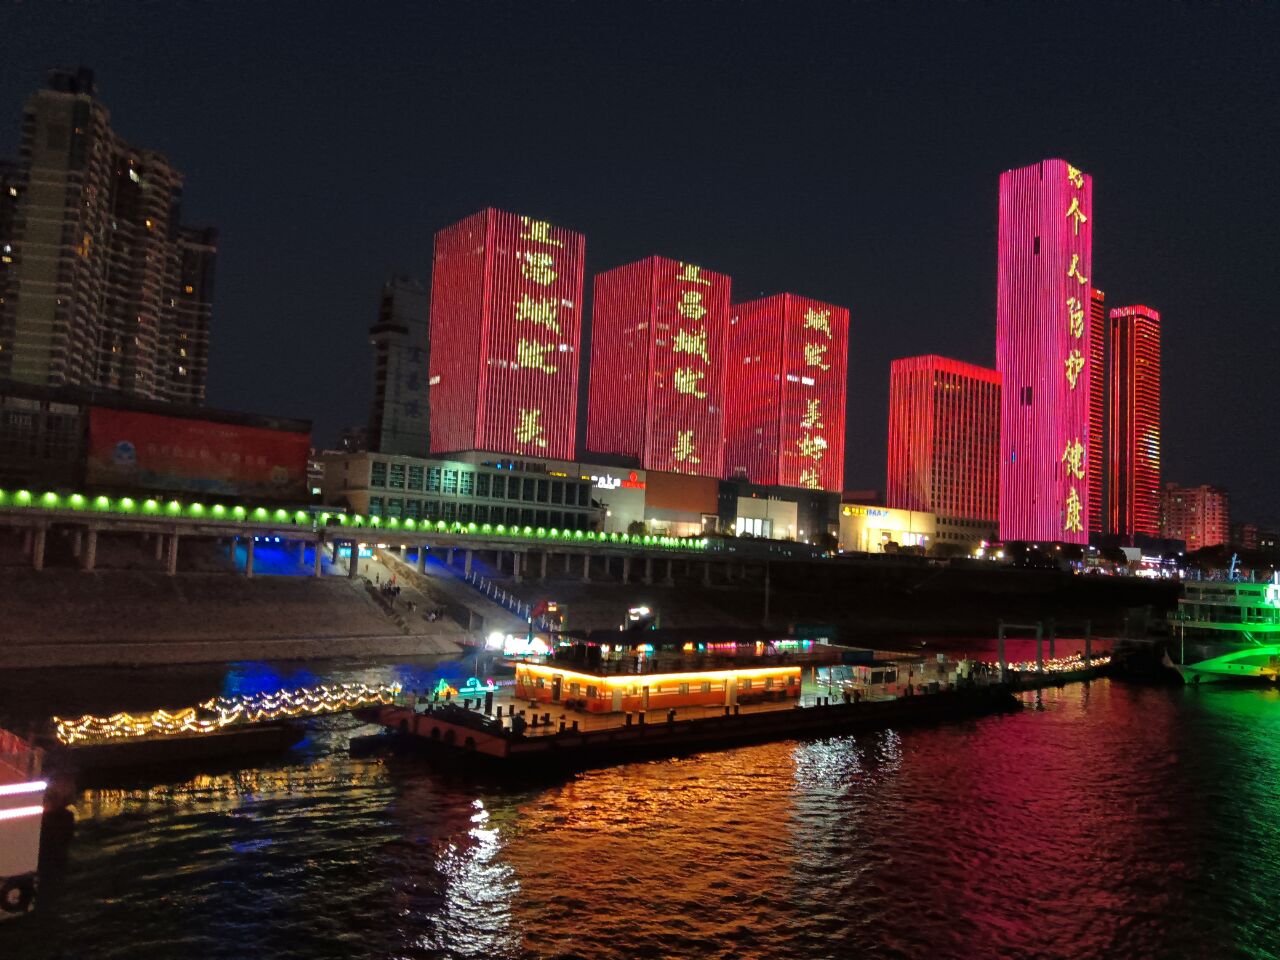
(464, 512)
(482, 513)
(433, 480)
(451, 481)
(499, 488)
(377, 474)
(573, 689)
(527, 490)
(584, 494)
(557, 519)
(526, 517)
(415, 478)
(395, 507)
(557, 491)
(482, 485)
(450, 510)
(432, 509)
(467, 487)
(395, 476)
(542, 491)
(413, 509)
(375, 506)
(540, 518)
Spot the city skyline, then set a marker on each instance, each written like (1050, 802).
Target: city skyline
(943, 303)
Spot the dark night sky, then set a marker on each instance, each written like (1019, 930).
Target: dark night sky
(845, 151)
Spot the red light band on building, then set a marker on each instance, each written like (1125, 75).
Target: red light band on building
(1133, 501)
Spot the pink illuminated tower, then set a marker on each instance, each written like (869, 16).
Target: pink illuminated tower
(506, 325)
(1045, 262)
(657, 366)
(785, 392)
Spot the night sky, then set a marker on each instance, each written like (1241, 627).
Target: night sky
(845, 151)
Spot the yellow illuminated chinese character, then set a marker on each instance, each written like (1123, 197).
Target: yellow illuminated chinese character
(542, 312)
(1073, 512)
(685, 450)
(693, 343)
(815, 355)
(531, 355)
(1075, 176)
(1074, 364)
(530, 428)
(687, 380)
(812, 419)
(691, 273)
(811, 447)
(691, 305)
(1075, 315)
(1073, 457)
(809, 478)
(538, 267)
(1074, 270)
(818, 320)
(537, 232)
(1077, 215)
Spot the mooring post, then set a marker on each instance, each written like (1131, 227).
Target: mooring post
(1053, 635)
(1088, 643)
(1039, 646)
(1004, 663)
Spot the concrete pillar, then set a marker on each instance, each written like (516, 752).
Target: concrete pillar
(706, 573)
(671, 573)
(544, 565)
(566, 563)
(648, 571)
(626, 569)
(515, 566)
(422, 558)
(249, 542)
(466, 562)
(76, 542)
(316, 568)
(302, 553)
(159, 545)
(171, 564)
(448, 557)
(89, 556)
(353, 566)
(37, 549)
(586, 568)
(404, 551)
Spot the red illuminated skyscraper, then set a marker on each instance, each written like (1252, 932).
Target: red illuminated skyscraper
(944, 437)
(658, 331)
(1199, 515)
(1096, 451)
(506, 323)
(1045, 260)
(1133, 497)
(785, 392)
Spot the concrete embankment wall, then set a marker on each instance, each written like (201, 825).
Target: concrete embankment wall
(69, 618)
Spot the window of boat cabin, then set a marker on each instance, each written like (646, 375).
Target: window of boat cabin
(745, 684)
(592, 692)
(683, 689)
(706, 686)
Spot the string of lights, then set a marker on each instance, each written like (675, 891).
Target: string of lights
(1055, 664)
(220, 712)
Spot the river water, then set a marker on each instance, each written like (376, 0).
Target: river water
(1104, 820)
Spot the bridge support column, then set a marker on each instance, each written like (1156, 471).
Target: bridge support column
(586, 568)
(515, 567)
(89, 555)
(566, 563)
(404, 552)
(422, 559)
(37, 549)
(302, 553)
(544, 565)
(648, 571)
(706, 573)
(353, 565)
(670, 581)
(171, 564)
(249, 543)
(316, 568)
(76, 542)
(159, 545)
(626, 569)
(467, 558)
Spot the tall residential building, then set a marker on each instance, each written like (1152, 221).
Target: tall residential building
(1045, 260)
(944, 438)
(1133, 448)
(106, 289)
(506, 326)
(399, 420)
(785, 390)
(1096, 451)
(1200, 515)
(658, 331)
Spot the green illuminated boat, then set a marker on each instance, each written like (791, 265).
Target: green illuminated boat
(1230, 629)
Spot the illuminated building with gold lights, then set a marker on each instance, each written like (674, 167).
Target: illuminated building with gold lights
(657, 366)
(506, 325)
(1043, 351)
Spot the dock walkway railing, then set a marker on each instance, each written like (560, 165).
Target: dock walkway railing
(505, 598)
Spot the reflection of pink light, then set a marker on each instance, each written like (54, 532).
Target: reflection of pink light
(13, 789)
(17, 812)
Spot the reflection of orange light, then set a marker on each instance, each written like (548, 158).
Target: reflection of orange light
(651, 679)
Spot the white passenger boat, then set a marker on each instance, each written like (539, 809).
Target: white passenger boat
(1228, 629)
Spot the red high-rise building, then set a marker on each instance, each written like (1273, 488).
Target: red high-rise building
(506, 324)
(658, 331)
(1095, 453)
(1201, 515)
(786, 364)
(1133, 474)
(1045, 260)
(944, 438)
